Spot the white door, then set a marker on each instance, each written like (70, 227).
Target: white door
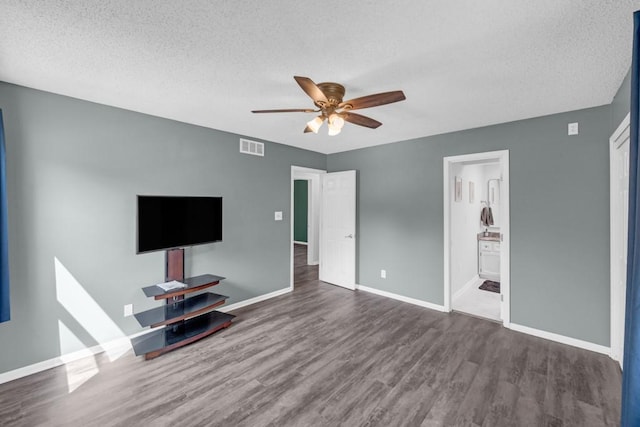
(619, 222)
(338, 229)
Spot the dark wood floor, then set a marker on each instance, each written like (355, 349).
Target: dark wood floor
(327, 356)
(302, 273)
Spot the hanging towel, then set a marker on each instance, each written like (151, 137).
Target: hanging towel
(486, 217)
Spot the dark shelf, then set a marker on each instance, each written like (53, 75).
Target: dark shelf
(193, 284)
(170, 337)
(187, 315)
(180, 310)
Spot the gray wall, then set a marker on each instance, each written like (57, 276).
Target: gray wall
(74, 169)
(559, 217)
(621, 102)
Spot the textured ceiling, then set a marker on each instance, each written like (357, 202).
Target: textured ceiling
(462, 64)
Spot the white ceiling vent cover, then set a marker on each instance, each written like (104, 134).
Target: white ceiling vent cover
(251, 147)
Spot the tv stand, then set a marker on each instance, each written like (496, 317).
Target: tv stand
(174, 265)
(186, 316)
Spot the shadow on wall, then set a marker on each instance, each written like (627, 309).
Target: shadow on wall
(78, 304)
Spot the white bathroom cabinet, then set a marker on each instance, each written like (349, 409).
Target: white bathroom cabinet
(489, 260)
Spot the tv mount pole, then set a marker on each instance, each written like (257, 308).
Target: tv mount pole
(174, 265)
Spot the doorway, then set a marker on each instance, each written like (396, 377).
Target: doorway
(305, 255)
(619, 206)
(476, 235)
(331, 233)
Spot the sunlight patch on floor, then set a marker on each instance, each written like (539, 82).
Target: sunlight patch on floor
(78, 371)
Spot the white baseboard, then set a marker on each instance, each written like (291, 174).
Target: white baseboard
(562, 339)
(519, 328)
(402, 298)
(466, 287)
(124, 343)
(300, 243)
(120, 344)
(254, 300)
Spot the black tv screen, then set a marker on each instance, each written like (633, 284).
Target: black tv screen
(166, 222)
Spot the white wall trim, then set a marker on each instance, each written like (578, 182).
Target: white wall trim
(402, 298)
(586, 345)
(120, 344)
(124, 343)
(466, 287)
(296, 242)
(616, 329)
(254, 300)
(621, 128)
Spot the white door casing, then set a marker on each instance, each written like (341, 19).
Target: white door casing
(502, 157)
(338, 229)
(619, 205)
(313, 250)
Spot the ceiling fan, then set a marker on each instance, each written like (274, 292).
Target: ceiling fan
(328, 98)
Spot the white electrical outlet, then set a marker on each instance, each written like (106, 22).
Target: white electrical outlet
(278, 216)
(128, 310)
(573, 129)
(383, 274)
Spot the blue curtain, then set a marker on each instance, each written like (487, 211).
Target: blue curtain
(631, 368)
(4, 231)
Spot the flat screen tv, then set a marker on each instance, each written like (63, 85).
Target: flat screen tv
(167, 222)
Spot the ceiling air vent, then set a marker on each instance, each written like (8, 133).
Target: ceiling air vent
(251, 147)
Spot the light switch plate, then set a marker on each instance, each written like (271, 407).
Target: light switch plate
(573, 128)
(128, 310)
(278, 216)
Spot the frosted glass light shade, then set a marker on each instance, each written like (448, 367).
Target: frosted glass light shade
(333, 130)
(315, 124)
(336, 121)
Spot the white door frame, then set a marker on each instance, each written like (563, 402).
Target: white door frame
(299, 172)
(314, 195)
(502, 157)
(616, 307)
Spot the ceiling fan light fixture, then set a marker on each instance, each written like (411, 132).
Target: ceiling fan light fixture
(327, 98)
(336, 121)
(334, 130)
(315, 124)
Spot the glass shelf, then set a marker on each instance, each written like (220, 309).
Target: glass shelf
(173, 336)
(170, 313)
(193, 284)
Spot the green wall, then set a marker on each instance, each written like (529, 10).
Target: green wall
(559, 217)
(300, 209)
(74, 169)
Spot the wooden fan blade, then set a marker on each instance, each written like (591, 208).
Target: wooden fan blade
(360, 120)
(291, 110)
(373, 100)
(307, 129)
(311, 89)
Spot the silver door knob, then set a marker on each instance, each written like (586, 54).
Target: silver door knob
(350, 236)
